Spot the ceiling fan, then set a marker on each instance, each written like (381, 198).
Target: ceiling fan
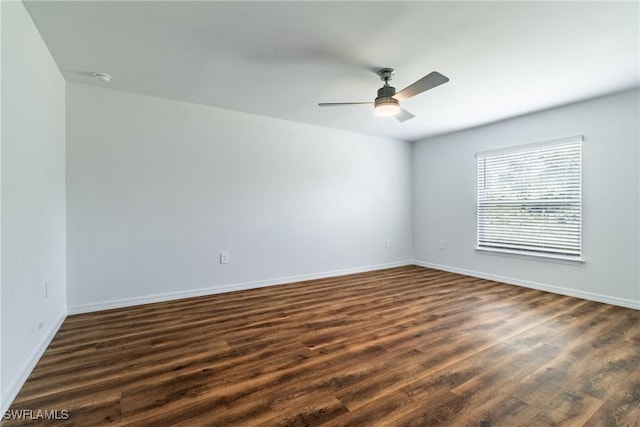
(387, 103)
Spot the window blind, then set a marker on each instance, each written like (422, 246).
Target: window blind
(530, 199)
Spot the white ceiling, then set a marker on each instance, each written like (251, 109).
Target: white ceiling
(280, 59)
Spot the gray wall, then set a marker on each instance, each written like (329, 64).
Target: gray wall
(33, 198)
(445, 200)
(156, 189)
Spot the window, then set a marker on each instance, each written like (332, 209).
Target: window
(530, 199)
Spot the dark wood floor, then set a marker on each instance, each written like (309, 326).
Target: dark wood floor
(407, 346)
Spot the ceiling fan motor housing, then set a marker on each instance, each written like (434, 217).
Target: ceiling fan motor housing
(385, 95)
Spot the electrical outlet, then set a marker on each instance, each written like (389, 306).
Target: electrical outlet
(224, 257)
(46, 289)
(387, 243)
(441, 245)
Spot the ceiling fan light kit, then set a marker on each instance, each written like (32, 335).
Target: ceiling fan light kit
(387, 103)
(386, 107)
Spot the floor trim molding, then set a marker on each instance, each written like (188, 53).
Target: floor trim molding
(17, 383)
(591, 296)
(20, 379)
(148, 299)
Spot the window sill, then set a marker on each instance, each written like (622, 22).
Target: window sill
(526, 255)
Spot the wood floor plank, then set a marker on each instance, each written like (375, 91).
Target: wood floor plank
(407, 346)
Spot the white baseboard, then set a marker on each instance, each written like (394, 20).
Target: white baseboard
(12, 391)
(147, 299)
(622, 302)
(21, 378)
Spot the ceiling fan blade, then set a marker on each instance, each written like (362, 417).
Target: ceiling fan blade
(429, 81)
(404, 115)
(342, 104)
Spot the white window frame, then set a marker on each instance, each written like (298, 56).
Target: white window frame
(518, 239)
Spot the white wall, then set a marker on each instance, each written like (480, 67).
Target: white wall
(156, 189)
(33, 198)
(445, 200)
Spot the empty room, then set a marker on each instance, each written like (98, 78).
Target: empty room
(320, 213)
